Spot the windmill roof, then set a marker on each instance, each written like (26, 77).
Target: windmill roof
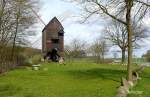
(54, 24)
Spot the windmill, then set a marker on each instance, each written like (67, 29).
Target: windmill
(36, 43)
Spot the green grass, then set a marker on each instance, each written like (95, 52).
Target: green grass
(143, 85)
(77, 79)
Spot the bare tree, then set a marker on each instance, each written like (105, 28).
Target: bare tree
(76, 48)
(16, 19)
(123, 11)
(116, 33)
(5, 23)
(98, 49)
(5, 29)
(23, 19)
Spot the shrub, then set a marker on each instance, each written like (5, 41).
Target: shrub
(36, 59)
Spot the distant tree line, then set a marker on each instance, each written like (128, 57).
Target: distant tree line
(95, 51)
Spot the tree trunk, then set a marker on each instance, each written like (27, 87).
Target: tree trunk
(14, 40)
(16, 32)
(129, 30)
(123, 56)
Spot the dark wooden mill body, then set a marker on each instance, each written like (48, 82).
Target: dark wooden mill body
(53, 36)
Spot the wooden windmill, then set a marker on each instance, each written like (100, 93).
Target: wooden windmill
(52, 35)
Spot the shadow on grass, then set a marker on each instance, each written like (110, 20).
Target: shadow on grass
(108, 74)
(145, 75)
(8, 89)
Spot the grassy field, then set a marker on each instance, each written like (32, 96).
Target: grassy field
(77, 79)
(143, 87)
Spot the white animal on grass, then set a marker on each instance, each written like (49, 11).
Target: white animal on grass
(61, 60)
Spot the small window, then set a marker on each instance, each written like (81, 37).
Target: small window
(61, 34)
(55, 40)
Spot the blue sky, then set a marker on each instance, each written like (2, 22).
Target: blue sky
(68, 14)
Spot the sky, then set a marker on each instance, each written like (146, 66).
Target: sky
(69, 15)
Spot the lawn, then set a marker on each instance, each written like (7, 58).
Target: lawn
(77, 79)
(143, 87)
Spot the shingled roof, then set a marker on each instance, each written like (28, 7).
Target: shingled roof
(54, 25)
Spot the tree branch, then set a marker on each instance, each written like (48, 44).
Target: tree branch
(104, 9)
(144, 3)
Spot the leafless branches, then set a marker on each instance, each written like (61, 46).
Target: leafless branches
(117, 34)
(146, 3)
(16, 18)
(123, 11)
(98, 50)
